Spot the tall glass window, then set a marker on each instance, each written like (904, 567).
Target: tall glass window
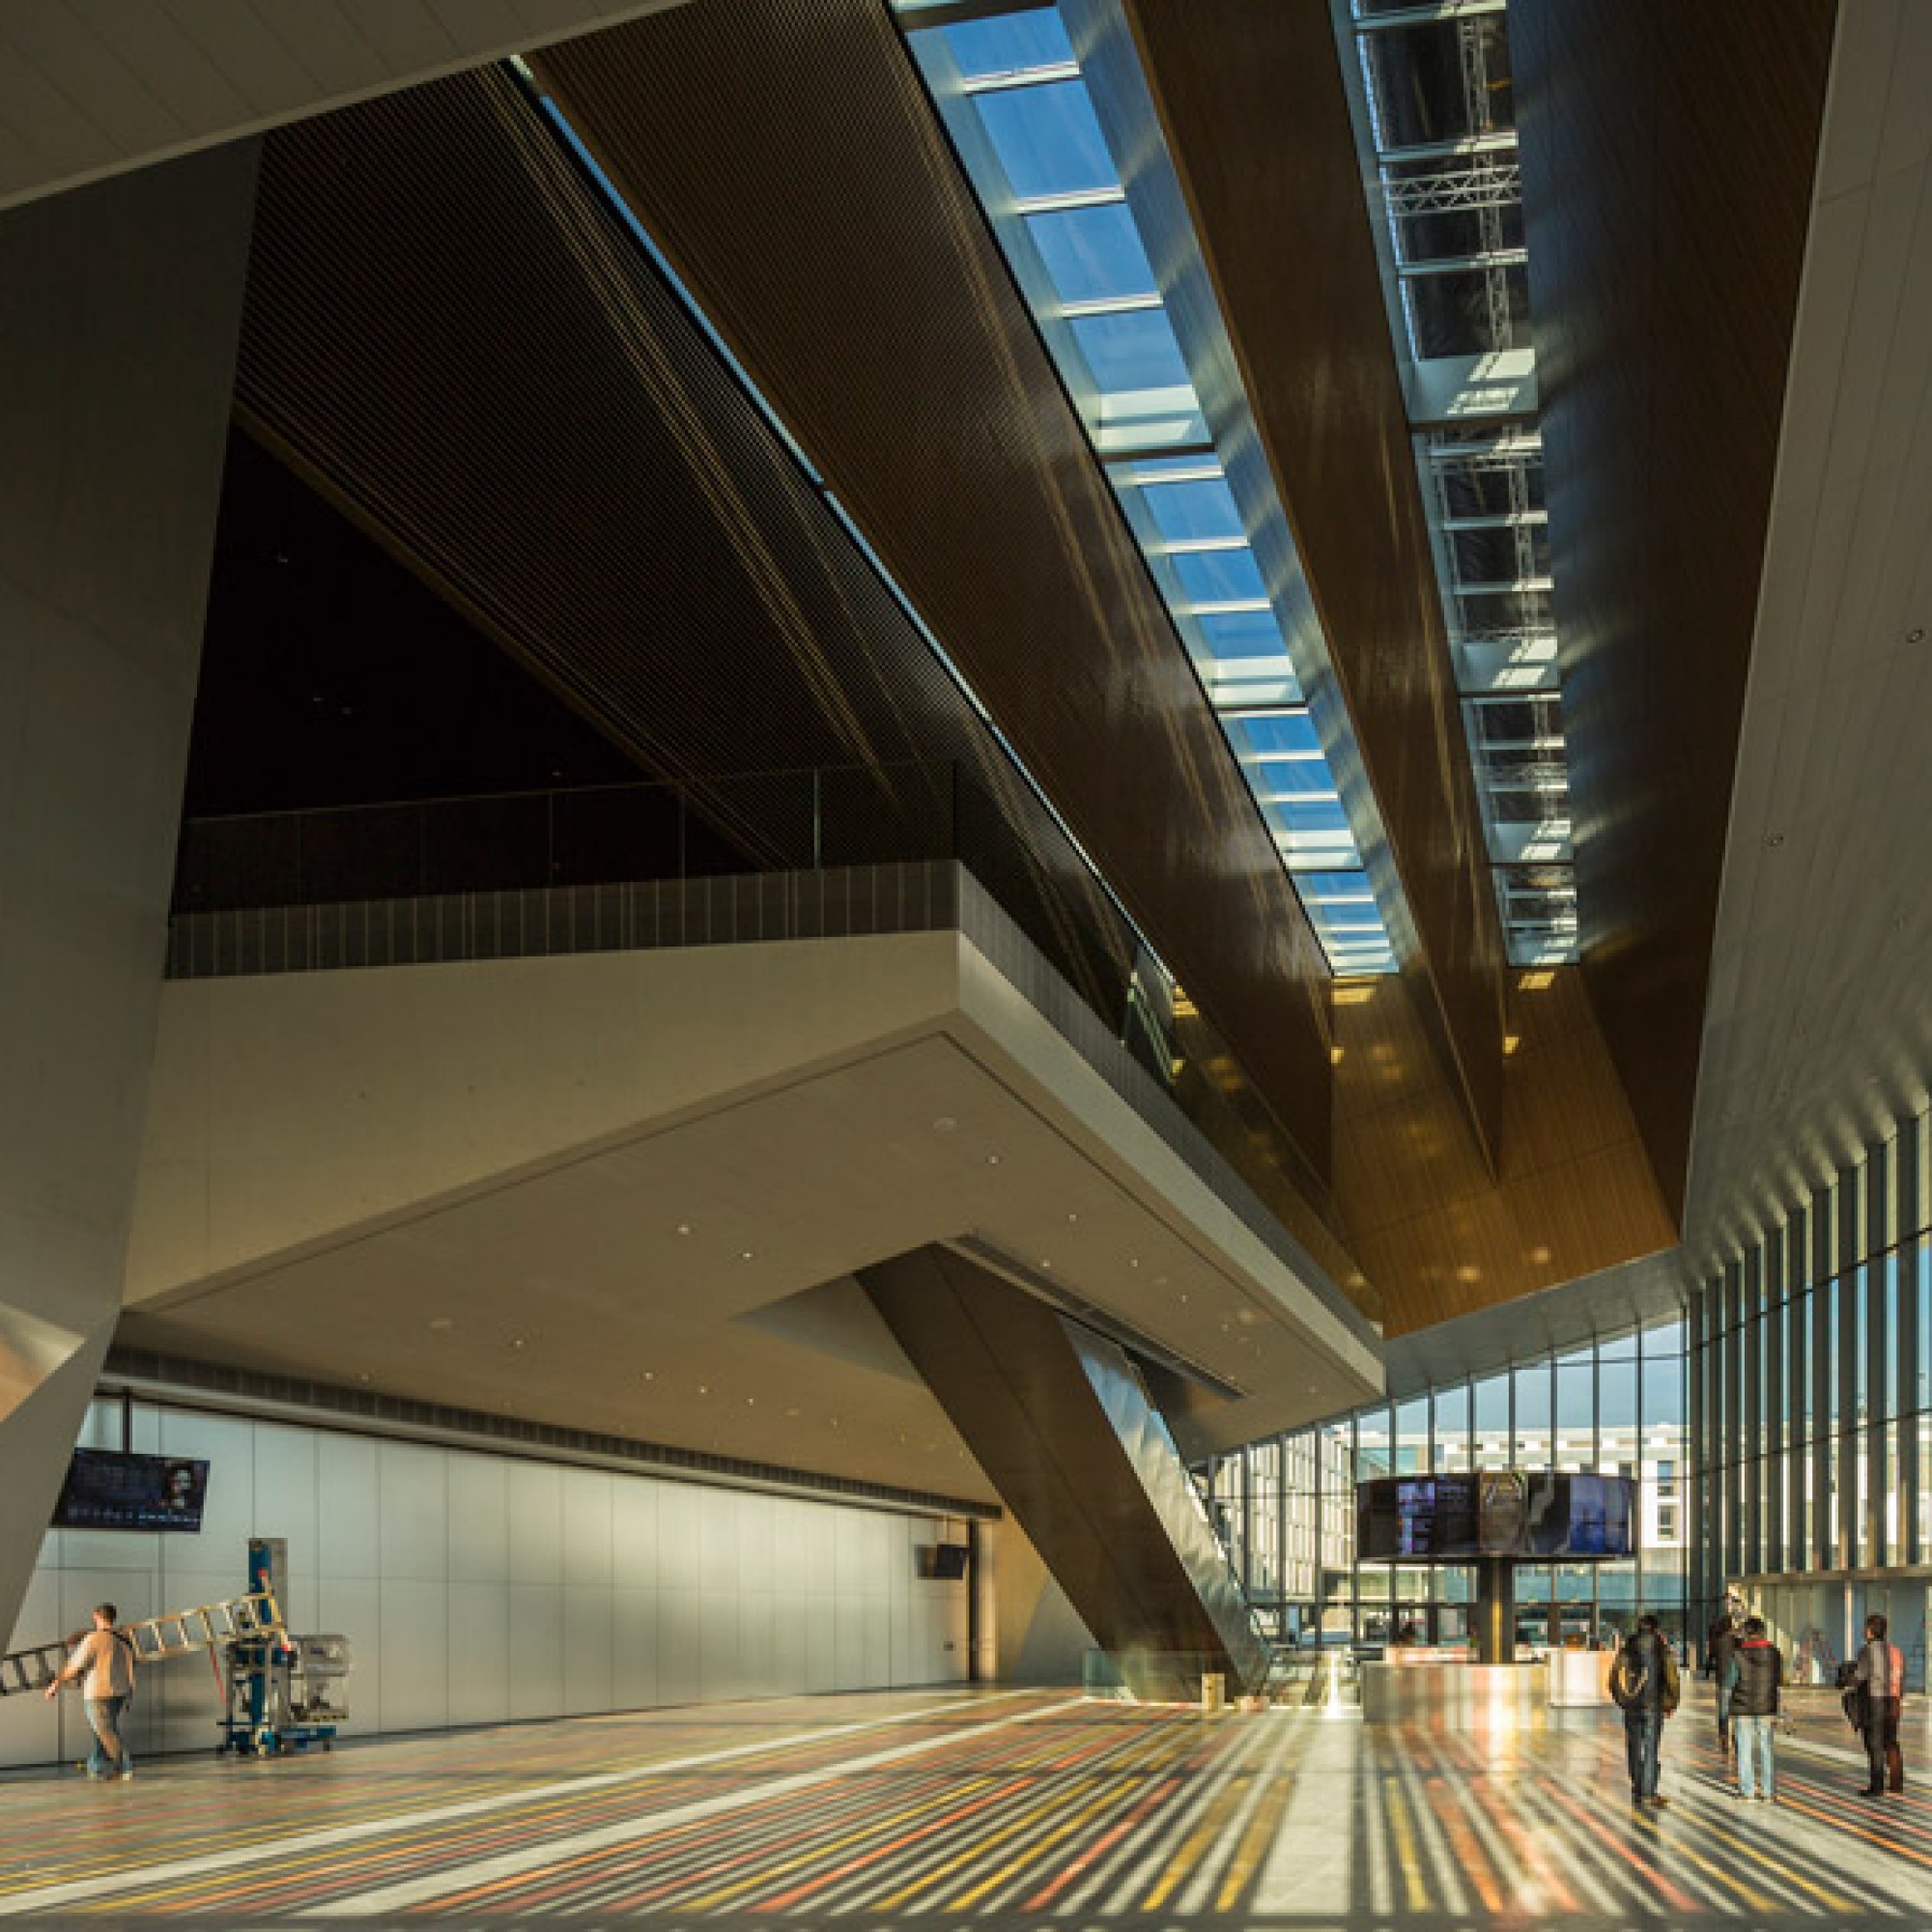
(1617, 1405)
(1817, 1428)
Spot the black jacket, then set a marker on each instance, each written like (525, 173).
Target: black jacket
(1757, 1674)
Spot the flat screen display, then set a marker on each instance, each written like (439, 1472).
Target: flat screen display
(1564, 1515)
(107, 1488)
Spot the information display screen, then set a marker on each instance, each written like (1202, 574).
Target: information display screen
(107, 1488)
(1567, 1516)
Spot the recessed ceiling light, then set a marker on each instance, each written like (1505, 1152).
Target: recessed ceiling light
(1071, 1218)
(1774, 839)
(362, 1378)
(1045, 1263)
(745, 1255)
(705, 1388)
(1133, 1261)
(650, 1375)
(943, 1125)
(442, 1322)
(992, 1160)
(684, 1227)
(516, 1341)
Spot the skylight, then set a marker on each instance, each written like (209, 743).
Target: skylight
(1010, 90)
(1438, 109)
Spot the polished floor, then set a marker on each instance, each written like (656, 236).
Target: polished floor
(1011, 1807)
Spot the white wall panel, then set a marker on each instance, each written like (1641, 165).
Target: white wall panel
(346, 1514)
(634, 1533)
(634, 1650)
(479, 1588)
(351, 1607)
(852, 1669)
(587, 1657)
(820, 1617)
(586, 1529)
(285, 1465)
(479, 1521)
(536, 1522)
(722, 1674)
(757, 1623)
(479, 1653)
(680, 1515)
(31, 1727)
(412, 1505)
(680, 1638)
(536, 1646)
(409, 1661)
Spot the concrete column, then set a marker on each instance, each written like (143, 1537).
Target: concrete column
(120, 308)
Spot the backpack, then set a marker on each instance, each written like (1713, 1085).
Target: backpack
(1630, 1680)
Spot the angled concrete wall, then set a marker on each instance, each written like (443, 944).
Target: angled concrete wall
(119, 310)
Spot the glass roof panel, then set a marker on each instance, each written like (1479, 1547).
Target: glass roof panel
(1135, 351)
(1093, 254)
(1194, 512)
(1048, 140)
(1009, 44)
(1239, 634)
(1281, 732)
(1221, 577)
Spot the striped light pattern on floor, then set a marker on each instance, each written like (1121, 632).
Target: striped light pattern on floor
(876, 1811)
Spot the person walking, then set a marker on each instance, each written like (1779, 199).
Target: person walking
(1721, 1649)
(1646, 1685)
(105, 1658)
(1881, 1674)
(1753, 1682)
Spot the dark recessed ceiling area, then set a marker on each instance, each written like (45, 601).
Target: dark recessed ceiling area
(333, 676)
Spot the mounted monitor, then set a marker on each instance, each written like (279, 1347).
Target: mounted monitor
(108, 1489)
(1565, 1516)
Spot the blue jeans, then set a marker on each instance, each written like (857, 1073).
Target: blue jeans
(1643, 1732)
(1754, 1750)
(109, 1756)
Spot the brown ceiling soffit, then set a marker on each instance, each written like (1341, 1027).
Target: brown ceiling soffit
(1252, 105)
(785, 157)
(1440, 1234)
(1668, 162)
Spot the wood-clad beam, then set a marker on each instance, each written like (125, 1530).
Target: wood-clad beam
(1667, 156)
(1250, 98)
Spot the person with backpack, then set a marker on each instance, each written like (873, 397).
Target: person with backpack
(1646, 1688)
(105, 1658)
(1721, 1649)
(1880, 1674)
(1751, 1682)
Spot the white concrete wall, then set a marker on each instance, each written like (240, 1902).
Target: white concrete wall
(480, 1587)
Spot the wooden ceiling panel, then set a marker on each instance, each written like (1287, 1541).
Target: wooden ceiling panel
(1433, 1229)
(1667, 156)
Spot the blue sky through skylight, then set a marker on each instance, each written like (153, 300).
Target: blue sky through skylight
(1125, 367)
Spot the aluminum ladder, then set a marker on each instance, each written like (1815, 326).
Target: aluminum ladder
(155, 1639)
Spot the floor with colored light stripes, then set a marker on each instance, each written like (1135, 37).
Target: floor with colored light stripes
(1014, 1807)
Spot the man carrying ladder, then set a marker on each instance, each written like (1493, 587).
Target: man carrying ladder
(105, 1658)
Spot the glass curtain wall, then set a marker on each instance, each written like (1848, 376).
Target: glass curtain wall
(1617, 1406)
(1811, 1394)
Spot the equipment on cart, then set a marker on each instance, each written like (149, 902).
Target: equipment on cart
(284, 1692)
